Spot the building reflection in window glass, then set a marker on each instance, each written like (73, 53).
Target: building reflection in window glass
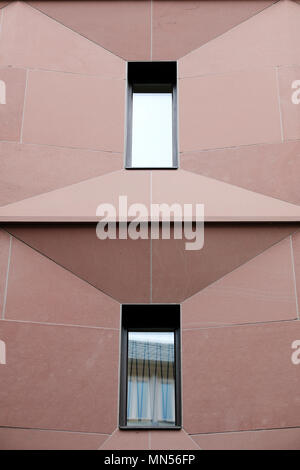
(151, 379)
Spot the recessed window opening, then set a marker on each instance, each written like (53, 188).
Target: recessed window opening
(150, 367)
(152, 115)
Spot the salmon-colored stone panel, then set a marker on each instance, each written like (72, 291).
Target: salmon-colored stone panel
(240, 378)
(166, 440)
(4, 261)
(289, 82)
(149, 440)
(56, 377)
(71, 110)
(229, 110)
(122, 27)
(268, 39)
(31, 439)
(119, 268)
(222, 202)
(275, 439)
(296, 252)
(271, 169)
(12, 85)
(127, 440)
(39, 290)
(181, 26)
(79, 202)
(29, 170)
(33, 40)
(259, 291)
(178, 273)
(2, 4)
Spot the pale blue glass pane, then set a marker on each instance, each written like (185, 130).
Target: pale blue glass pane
(152, 130)
(151, 379)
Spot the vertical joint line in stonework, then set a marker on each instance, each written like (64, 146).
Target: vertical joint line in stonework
(294, 276)
(151, 24)
(6, 280)
(1, 20)
(279, 103)
(24, 104)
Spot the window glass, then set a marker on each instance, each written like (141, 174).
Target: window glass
(152, 130)
(151, 379)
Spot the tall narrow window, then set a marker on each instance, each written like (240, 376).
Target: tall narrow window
(151, 115)
(150, 367)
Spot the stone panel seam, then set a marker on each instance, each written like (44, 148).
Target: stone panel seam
(71, 325)
(24, 105)
(190, 437)
(241, 187)
(63, 267)
(66, 72)
(60, 188)
(231, 29)
(288, 66)
(236, 70)
(7, 276)
(54, 430)
(230, 184)
(83, 149)
(279, 104)
(234, 147)
(151, 30)
(243, 264)
(2, 14)
(242, 431)
(238, 325)
(108, 439)
(1, 21)
(292, 140)
(294, 276)
(274, 142)
(73, 31)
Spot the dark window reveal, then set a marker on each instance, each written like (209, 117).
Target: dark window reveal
(152, 115)
(150, 367)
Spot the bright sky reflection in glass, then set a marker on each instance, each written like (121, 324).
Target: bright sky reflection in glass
(151, 379)
(152, 130)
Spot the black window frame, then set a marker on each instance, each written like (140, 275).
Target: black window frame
(146, 318)
(151, 77)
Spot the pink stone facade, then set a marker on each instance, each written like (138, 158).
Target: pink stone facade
(62, 144)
